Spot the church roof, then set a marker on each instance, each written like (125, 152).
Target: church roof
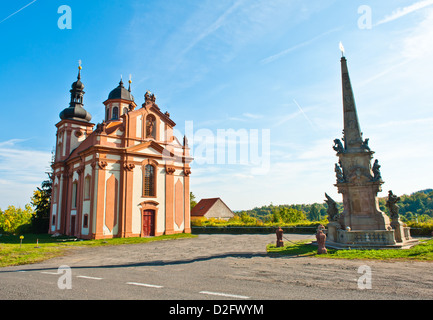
(121, 93)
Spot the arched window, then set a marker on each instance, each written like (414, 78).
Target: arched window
(115, 113)
(87, 188)
(74, 195)
(149, 181)
(107, 116)
(55, 194)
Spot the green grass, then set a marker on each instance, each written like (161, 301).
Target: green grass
(12, 253)
(421, 252)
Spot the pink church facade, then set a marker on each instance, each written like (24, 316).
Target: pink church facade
(126, 177)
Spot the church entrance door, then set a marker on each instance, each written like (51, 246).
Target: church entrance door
(148, 223)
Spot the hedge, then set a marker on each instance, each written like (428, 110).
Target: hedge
(311, 229)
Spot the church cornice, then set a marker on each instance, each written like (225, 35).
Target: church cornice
(80, 123)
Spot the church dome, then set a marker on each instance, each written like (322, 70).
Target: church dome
(75, 111)
(121, 93)
(78, 85)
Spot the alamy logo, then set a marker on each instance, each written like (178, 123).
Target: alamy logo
(65, 20)
(365, 21)
(364, 281)
(65, 280)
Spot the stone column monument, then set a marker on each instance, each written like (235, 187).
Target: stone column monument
(361, 223)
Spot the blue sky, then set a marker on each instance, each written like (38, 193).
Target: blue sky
(269, 67)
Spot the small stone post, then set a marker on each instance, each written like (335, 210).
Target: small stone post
(321, 240)
(280, 242)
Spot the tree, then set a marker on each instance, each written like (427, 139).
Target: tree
(41, 201)
(192, 201)
(286, 215)
(314, 214)
(13, 218)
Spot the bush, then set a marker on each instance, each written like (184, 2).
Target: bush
(420, 228)
(12, 218)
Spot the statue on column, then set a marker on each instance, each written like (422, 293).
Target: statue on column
(338, 146)
(332, 208)
(377, 176)
(391, 203)
(339, 173)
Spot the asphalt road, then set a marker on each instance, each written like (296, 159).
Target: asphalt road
(211, 267)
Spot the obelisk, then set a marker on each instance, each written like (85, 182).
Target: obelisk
(357, 180)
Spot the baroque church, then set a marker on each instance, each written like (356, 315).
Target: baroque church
(125, 177)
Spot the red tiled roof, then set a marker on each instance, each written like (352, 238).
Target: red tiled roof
(203, 207)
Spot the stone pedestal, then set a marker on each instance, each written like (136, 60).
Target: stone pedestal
(333, 228)
(402, 233)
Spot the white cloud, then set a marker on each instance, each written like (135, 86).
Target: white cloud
(419, 42)
(22, 170)
(253, 116)
(213, 27)
(401, 12)
(296, 47)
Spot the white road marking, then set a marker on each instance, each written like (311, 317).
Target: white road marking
(224, 295)
(86, 277)
(144, 285)
(46, 272)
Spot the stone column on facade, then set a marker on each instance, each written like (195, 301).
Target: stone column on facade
(100, 165)
(126, 196)
(187, 209)
(80, 198)
(169, 199)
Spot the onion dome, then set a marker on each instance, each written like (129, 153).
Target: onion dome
(75, 111)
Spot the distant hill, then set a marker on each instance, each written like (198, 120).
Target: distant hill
(426, 191)
(418, 205)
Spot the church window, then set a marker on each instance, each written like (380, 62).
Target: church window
(107, 116)
(149, 181)
(54, 194)
(74, 195)
(86, 221)
(87, 188)
(115, 113)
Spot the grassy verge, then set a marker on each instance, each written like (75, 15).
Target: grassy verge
(13, 253)
(420, 252)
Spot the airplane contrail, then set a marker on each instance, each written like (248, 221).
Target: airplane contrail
(18, 11)
(302, 111)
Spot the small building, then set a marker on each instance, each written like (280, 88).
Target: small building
(212, 208)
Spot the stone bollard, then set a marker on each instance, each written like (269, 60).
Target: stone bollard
(280, 242)
(321, 241)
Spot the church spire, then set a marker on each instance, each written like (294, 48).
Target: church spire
(352, 132)
(75, 111)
